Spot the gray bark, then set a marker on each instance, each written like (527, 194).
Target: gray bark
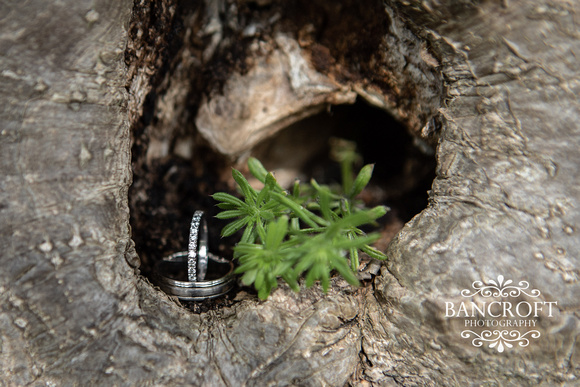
(74, 308)
(505, 197)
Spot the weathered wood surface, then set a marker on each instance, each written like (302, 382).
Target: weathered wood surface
(505, 201)
(74, 309)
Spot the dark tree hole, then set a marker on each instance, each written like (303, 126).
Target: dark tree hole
(167, 191)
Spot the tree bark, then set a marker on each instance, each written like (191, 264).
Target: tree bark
(493, 83)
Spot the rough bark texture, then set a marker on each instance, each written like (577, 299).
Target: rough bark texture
(504, 202)
(74, 308)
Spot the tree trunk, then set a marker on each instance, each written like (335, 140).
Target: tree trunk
(492, 84)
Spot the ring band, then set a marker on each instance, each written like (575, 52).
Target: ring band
(165, 273)
(197, 259)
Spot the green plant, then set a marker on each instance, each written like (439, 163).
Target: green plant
(310, 230)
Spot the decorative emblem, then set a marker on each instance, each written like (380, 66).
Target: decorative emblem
(500, 338)
(506, 317)
(500, 289)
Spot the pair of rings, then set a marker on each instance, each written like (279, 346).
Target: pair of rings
(195, 274)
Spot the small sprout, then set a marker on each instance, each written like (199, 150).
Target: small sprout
(361, 181)
(309, 232)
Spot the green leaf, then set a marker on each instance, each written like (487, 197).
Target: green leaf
(284, 267)
(297, 208)
(325, 204)
(234, 226)
(310, 230)
(324, 199)
(263, 195)
(249, 193)
(228, 199)
(271, 181)
(345, 206)
(325, 280)
(226, 206)
(313, 274)
(271, 282)
(230, 214)
(257, 169)
(249, 277)
(249, 249)
(249, 264)
(379, 211)
(361, 181)
(358, 218)
(259, 280)
(356, 242)
(249, 235)
(295, 224)
(304, 264)
(267, 215)
(354, 262)
(261, 231)
(264, 292)
(374, 253)
(296, 189)
(290, 280)
(276, 233)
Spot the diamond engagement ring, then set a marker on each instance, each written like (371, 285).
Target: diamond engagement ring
(195, 274)
(197, 258)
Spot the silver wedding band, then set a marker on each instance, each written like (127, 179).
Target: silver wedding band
(166, 271)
